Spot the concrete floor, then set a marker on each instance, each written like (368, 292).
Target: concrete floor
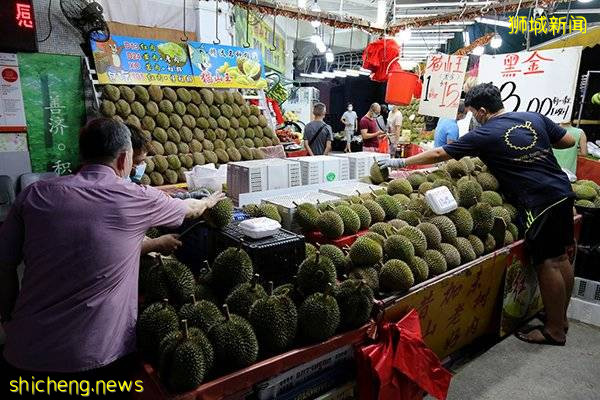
(515, 370)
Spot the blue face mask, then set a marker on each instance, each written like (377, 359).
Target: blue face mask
(139, 173)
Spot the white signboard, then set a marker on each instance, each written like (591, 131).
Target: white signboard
(12, 109)
(541, 81)
(442, 85)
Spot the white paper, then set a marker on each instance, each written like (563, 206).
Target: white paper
(541, 81)
(442, 85)
(12, 108)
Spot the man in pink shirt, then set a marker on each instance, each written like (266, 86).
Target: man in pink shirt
(80, 237)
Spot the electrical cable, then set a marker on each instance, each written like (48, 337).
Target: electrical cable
(49, 23)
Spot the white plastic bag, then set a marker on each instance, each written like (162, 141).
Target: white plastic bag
(206, 176)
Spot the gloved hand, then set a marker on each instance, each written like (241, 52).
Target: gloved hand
(392, 163)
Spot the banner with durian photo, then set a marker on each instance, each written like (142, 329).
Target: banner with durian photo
(220, 66)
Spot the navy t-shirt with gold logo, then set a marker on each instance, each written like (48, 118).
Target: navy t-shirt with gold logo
(517, 148)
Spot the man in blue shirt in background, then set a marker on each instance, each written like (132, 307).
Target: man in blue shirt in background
(446, 130)
(517, 149)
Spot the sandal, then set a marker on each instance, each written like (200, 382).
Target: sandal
(548, 340)
(543, 317)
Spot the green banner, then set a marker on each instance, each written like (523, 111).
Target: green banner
(52, 88)
(260, 36)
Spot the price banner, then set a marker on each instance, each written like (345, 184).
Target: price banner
(12, 108)
(137, 61)
(442, 85)
(542, 81)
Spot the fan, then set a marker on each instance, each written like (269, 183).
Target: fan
(87, 17)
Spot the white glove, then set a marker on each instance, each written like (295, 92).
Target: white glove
(392, 163)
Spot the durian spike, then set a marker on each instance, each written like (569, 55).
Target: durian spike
(186, 332)
(193, 299)
(226, 312)
(270, 288)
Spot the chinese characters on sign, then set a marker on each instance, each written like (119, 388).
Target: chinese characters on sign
(24, 17)
(442, 85)
(552, 25)
(523, 80)
(56, 128)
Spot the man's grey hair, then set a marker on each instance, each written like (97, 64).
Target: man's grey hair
(102, 140)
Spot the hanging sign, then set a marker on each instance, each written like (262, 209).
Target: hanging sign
(138, 61)
(55, 110)
(442, 85)
(260, 36)
(12, 109)
(542, 81)
(220, 66)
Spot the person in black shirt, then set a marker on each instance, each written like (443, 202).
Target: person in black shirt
(517, 148)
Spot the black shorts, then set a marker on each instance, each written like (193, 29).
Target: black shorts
(549, 231)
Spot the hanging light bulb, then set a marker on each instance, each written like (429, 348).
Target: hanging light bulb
(329, 57)
(405, 35)
(316, 9)
(496, 41)
(477, 51)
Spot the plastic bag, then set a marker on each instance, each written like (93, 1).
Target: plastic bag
(400, 366)
(206, 176)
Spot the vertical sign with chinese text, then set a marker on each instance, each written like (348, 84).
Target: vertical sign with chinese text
(542, 81)
(442, 85)
(54, 107)
(12, 109)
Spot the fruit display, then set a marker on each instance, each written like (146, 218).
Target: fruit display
(412, 122)
(291, 116)
(407, 243)
(288, 136)
(587, 193)
(189, 127)
(278, 93)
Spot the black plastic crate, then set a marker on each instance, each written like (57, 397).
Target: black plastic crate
(275, 258)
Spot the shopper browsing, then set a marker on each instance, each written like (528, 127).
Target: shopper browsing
(446, 130)
(369, 129)
(317, 134)
(350, 121)
(165, 244)
(517, 148)
(394, 129)
(80, 237)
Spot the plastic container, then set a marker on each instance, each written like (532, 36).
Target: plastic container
(401, 87)
(258, 228)
(321, 169)
(441, 200)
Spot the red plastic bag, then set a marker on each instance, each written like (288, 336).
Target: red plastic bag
(400, 366)
(377, 57)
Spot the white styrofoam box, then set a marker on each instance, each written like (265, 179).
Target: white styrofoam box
(261, 175)
(319, 169)
(258, 228)
(361, 162)
(287, 208)
(350, 189)
(441, 200)
(587, 289)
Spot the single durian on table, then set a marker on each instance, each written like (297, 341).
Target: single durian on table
(201, 314)
(365, 252)
(221, 214)
(242, 297)
(318, 317)
(230, 268)
(154, 323)
(315, 274)
(275, 319)
(234, 342)
(355, 301)
(396, 276)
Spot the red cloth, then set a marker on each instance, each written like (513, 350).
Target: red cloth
(399, 365)
(377, 57)
(276, 110)
(370, 125)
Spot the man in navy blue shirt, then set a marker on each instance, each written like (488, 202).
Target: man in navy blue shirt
(517, 148)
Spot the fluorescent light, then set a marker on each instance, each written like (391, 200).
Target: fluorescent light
(446, 4)
(466, 38)
(407, 16)
(405, 35)
(315, 23)
(352, 72)
(496, 41)
(380, 21)
(478, 51)
(585, 1)
(317, 75)
(329, 57)
(328, 74)
(442, 30)
(489, 21)
(420, 41)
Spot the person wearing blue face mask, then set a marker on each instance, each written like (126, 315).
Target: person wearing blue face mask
(165, 244)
